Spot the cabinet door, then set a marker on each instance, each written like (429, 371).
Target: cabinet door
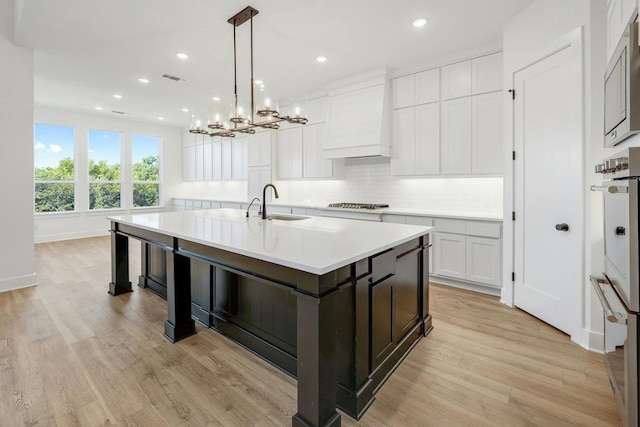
(317, 110)
(405, 295)
(257, 179)
(226, 159)
(188, 139)
(450, 255)
(427, 86)
(382, 322)
(253, 149)
(456, 136)
(264, 142)
(427, 139)
(483, 260)
(403, 92)
(199, 159)
(614, 25)
(487, 141)
(290, 153)
(403, 131)
(310, 151)
(456, 80)
(239, 158)
(314, 165)
(208, 160)
(420, 220)
(189, 163)
(216, 158)
(486, 73)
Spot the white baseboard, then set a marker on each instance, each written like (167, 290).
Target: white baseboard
(592, 341)
(465, 285)
(70, 236)
(20, 282)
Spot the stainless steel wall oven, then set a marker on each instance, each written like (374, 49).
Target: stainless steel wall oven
(618, 288)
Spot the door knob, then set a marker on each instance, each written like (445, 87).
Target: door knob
(562, 227)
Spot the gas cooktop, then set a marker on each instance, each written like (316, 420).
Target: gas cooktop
(358, 205)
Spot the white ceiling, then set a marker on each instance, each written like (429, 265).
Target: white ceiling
(85, 51)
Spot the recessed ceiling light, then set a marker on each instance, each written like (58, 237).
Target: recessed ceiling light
(186, 110)
(182, 55)
(321, 58)
(98, 108)
(117, 96)
(216, 98)
(258, 82)
(143, 80)
(160, 118)
(420, 22)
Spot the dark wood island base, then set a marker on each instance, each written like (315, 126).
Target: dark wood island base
(341, 334)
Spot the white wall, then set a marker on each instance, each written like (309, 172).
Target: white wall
(369, 180)
(538, 25)
(61, 226)
(16, 158)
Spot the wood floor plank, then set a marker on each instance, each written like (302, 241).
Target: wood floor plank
(71, 355)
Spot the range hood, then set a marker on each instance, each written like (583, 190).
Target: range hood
(358, 122)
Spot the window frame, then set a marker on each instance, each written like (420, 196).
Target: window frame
(50, 181)
(158, 182)
(122, 171)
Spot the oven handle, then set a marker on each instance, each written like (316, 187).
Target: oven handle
(610, 189)
(611, 315)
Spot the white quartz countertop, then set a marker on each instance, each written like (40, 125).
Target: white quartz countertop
(435, 213)
(317, 245)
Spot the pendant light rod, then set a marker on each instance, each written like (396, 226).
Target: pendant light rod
(270, 117)
(251, 84)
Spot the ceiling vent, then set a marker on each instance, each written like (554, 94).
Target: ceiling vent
(174, 78)
(118, 112)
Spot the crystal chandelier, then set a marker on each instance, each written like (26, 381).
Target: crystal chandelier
(241, 120)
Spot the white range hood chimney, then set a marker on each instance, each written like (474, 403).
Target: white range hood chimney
(358, 122)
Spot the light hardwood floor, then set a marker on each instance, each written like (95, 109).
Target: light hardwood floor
(72, 355)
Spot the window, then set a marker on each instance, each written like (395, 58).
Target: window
(145, 157)
(105, 178)
(54, 170)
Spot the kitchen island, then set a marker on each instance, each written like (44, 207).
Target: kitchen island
(336, 303)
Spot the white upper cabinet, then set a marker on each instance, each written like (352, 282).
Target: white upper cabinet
(487, 140)
(427, 86)
(216, 158)
(427, 148)
(404, 141)
(239, 158)
(225, 169)
(415, 89)
(317, 110)
(403, 92)
(289, 153)
(619, 14)
(200, 157)
(314, 165)
(416, 140)
(456, 80)
(478, 75)
(456, 136)
(259, 148)
(208, 159)
(486, 73)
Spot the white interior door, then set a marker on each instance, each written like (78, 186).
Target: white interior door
(548, 187)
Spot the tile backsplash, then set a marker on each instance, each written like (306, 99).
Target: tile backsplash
(368, 180)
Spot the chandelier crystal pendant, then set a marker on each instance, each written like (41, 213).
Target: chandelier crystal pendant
(241, 118)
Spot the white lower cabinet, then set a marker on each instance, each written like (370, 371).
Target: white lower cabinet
(483, 260)
(450, 255)
(469, 250)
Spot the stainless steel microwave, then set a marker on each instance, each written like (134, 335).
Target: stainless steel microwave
(622, 88)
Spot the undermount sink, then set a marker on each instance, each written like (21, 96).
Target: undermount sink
(285, 217)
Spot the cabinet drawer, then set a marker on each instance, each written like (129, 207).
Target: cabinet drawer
(420, 220)
(451, 226)
(485, 229)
